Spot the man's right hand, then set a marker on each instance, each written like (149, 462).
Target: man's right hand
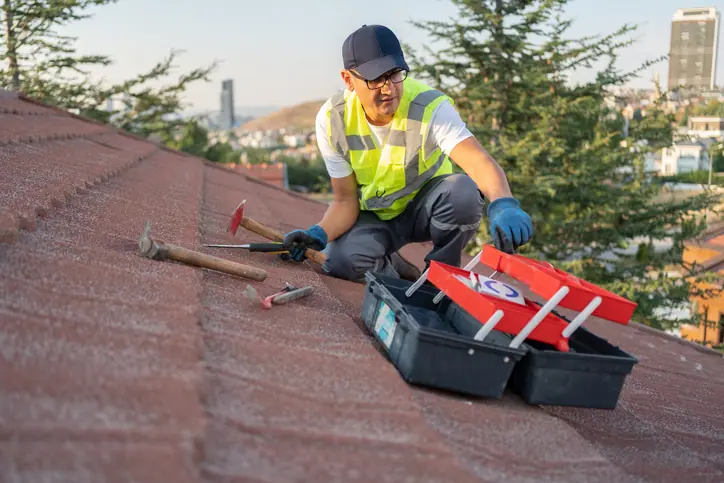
(298, 241)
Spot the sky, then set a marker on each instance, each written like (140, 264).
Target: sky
(284, 52)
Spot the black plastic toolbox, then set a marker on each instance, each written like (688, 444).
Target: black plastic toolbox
(424, 346)
(591, 375)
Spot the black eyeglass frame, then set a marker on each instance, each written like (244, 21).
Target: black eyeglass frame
(387, 77)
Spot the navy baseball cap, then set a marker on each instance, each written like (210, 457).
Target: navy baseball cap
(373, 50)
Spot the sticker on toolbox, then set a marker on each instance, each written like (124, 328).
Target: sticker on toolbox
(385, 325)
(496, 288)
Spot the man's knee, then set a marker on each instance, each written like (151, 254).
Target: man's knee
(346, 262)
(464, 200)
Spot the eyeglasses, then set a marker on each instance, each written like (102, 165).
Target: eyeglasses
(395, 77)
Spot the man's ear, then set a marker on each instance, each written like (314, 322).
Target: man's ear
(347, 79)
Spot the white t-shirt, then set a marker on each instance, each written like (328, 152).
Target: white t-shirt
(446, 128)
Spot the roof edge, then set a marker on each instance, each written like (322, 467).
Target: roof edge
(6, 94)
(111, 128)
(713, 262)
(662, 334)
(713, 230)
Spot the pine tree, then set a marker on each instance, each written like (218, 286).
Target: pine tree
(44, 65)
(508, 65)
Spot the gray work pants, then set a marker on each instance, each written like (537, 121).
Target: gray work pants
(446, 211)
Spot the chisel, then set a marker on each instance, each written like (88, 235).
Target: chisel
(253, 247)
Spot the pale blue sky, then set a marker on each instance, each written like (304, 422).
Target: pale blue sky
(282, 52)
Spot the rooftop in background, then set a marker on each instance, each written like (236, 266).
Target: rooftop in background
(117, 367)
(273, 173)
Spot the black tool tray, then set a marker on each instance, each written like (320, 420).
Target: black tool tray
(424, 346)
(591, 375)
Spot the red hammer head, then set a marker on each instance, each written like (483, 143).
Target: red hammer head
(236, 218)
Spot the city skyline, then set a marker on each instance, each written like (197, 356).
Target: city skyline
(277, 60)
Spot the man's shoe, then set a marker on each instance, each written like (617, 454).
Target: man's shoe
(404, 268)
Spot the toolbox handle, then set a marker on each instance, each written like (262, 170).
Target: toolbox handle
(489, 326)
(413, 288)
(582, 316)
(539, 316)
(470, 266)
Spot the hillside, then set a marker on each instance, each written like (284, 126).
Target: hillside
(300, 116)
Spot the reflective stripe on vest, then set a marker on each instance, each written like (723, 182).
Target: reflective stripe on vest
(336, 125)
(411, 139)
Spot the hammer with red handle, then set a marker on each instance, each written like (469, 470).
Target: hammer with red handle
(238, 219)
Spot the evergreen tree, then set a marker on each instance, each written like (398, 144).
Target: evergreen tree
(508, 65)
(44, 65)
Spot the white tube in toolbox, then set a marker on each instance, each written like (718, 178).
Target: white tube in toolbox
(417, 284)
(489, 325)
(471, 264)
(581, 317)
(539, 316)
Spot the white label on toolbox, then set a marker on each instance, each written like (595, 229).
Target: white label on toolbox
(495, 288)
(385, 325)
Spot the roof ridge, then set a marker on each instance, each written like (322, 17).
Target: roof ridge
(116, 130)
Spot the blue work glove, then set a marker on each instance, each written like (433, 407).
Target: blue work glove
(510, 226)
(298, 241)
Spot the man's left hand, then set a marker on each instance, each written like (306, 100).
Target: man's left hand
(510, 226)
(298, 241)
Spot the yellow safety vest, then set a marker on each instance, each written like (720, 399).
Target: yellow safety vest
(389, 175)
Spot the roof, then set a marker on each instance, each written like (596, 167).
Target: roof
(273, 173)
(711, 239)
(697, 144)
(118, 367)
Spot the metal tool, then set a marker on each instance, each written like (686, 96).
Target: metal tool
(276, 247)
(158, 250)
(238, 219)
(287, 294)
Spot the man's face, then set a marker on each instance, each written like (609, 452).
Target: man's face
(380, 97)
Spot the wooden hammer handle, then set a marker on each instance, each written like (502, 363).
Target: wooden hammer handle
(203, 260)
(270, 234)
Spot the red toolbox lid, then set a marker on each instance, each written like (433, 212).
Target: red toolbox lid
(545, 280)
(482, 307)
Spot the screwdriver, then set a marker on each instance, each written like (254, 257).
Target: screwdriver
(254, 247)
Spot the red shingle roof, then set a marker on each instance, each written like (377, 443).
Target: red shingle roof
(115, 367)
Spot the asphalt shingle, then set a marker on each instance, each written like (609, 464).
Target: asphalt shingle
(114, 367)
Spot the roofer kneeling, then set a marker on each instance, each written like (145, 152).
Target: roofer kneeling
(387, 142)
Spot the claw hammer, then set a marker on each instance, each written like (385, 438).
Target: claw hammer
(238, 219)
(158, 250)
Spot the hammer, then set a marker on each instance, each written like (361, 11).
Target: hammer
(238, 219)
(158, 250)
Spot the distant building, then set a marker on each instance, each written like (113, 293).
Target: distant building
(295, 140)
(708, 253)
(706, 127)
(684, 157)
(693, 50)
(226, 117)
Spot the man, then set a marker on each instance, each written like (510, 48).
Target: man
(387, 142)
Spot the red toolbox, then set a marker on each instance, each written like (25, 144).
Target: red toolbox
(545, 280)
(559, 288)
